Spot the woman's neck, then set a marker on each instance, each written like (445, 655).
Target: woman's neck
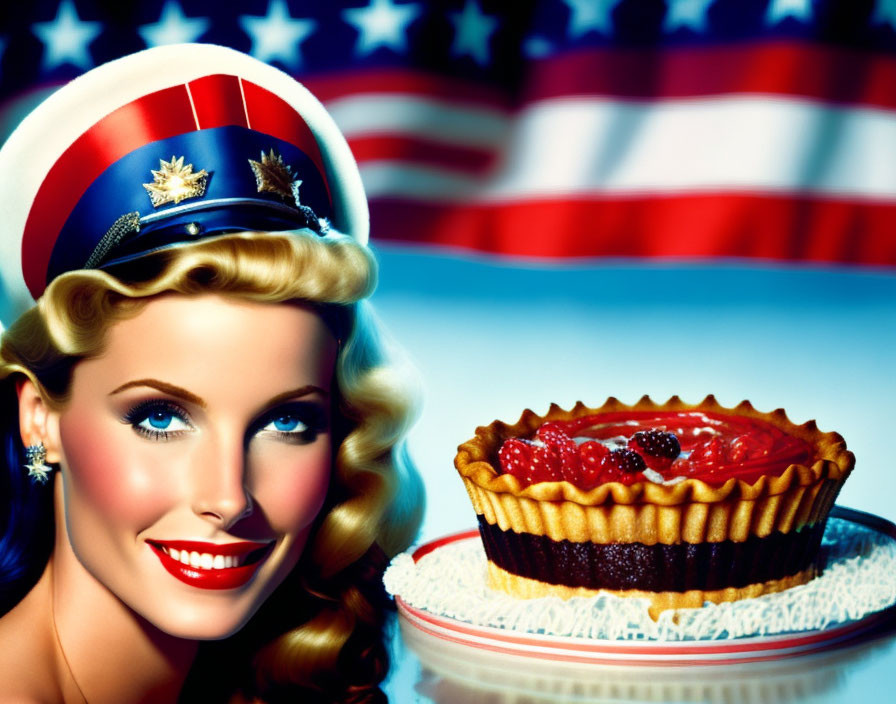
(112, 654)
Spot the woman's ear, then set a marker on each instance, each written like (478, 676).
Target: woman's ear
(37, 421)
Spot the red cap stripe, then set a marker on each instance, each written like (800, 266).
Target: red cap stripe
(153, 117)
(218, 101)
(213, 101)
(270, 114)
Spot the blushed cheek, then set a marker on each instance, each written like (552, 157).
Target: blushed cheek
(292, 495)
(113, 477)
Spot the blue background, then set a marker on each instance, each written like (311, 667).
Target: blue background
(491, 337)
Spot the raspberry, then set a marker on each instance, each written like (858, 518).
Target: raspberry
(516, 458)
(550, 430)
(591, 454)
(553, 461)
(546, 466)
(656, 443)
(559, 454)
(624, 460)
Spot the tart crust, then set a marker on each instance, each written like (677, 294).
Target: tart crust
(689, 511)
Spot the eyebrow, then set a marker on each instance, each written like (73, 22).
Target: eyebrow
(164, 387)
(179, 392)
(297, 393)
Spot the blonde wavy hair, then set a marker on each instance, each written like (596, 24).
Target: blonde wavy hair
(375, 501)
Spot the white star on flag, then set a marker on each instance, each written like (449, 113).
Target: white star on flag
(278, 35)
(779, 10)
(381, 23)
(588, 15)
(173, 27)
(687, 13)
(885, 13)
(536, 47)
(66, 38)
(472, 30)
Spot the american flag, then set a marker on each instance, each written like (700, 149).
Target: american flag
(679, 129)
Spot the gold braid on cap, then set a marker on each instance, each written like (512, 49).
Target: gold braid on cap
(127, 224)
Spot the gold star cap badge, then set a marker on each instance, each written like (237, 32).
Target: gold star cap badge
(272, 174)
(174, 182)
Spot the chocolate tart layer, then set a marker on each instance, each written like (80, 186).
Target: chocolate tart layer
(658, 567)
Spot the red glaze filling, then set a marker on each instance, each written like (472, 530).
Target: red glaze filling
(620, 446)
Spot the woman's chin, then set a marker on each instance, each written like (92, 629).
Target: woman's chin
(196, 623)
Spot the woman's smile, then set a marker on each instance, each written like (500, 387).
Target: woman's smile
(211, 565)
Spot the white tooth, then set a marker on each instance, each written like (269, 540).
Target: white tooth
(185, 557)
(175, 554)
(230, 561)
(205, 561)
(195, 559)
(218, 562)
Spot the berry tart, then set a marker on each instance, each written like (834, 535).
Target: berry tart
(676, 503)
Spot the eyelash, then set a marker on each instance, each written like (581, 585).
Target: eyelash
(142, 411)
(310, 415)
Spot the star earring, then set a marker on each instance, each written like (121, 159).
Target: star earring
(37, 466)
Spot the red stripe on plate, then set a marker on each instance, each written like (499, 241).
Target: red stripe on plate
(656, 649)
(827, 74)
(436, 544)
(606, 653)
(796, 228)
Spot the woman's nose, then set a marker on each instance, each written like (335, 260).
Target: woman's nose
(220, 492)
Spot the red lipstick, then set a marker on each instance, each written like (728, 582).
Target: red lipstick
(240, 561)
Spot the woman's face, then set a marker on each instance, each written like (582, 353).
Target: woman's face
(195, 454)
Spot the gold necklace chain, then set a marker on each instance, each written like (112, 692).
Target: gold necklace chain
(58, 639)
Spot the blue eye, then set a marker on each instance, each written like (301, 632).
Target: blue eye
(286, 424)
(158, 420)
(298, 423)
(162, 420)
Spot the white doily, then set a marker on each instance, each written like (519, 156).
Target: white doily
(859, 579)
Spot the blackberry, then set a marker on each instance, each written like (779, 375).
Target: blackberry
(625, 460)
(658, 443)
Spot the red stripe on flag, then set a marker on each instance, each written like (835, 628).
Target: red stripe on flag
(827, 74)
(405, 82)
(218, 101)
(422, 151)
(155, 116)
(692, 226)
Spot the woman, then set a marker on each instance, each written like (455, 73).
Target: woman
(201, 436)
